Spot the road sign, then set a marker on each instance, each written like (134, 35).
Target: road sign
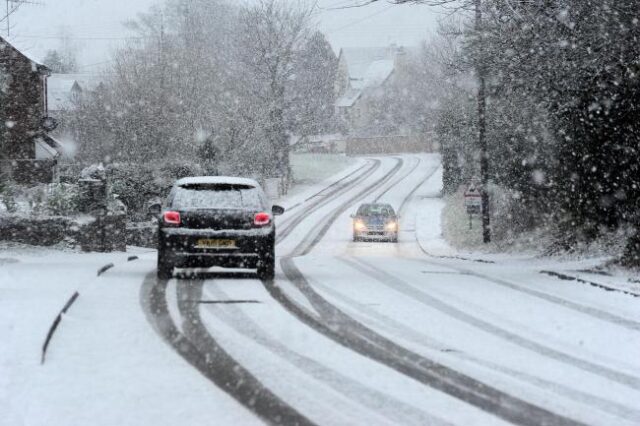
(473, 200)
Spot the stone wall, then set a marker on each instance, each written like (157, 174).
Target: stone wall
(107, 233)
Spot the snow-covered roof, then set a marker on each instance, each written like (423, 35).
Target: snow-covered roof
(216, 180)
(348, 98)
(25, 48)
(367, 67)
(358, 59)
(376, 74)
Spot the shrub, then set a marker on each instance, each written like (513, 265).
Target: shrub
(62, 199)
(7, 192)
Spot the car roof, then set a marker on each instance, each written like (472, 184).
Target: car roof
(216, 180)
(376, 204)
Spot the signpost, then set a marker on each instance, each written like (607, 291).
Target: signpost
(473, 202)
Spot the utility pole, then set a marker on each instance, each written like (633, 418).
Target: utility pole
(482, 128)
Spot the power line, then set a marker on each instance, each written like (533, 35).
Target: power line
(54, 37)
(379, 12)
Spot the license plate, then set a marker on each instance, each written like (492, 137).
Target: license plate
(209, 243)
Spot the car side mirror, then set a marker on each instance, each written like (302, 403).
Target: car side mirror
(277, 210)
(154, 209)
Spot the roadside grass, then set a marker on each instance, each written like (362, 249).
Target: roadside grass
(310, 168)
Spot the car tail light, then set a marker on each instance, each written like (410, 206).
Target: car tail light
(262, 219)
(171, 218)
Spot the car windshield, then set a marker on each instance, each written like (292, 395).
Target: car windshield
(319, 212)
(224, 197)
(375, 210)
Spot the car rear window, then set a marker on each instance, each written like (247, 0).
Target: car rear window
(207, 196)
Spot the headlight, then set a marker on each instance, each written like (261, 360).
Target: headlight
(391, 226)
(359, 225)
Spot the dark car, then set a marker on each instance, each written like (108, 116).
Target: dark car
(217, 221)
(375, 221)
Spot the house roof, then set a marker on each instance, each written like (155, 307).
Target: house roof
(23, 48)
(367, 67)
(377, 73)
(348, 98)
(359, 59)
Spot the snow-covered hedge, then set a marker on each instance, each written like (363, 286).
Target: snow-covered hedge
(136, 184)
(55, 199)
(512, 224)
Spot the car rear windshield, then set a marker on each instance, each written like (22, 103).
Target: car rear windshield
(375, 210)
(218, 196)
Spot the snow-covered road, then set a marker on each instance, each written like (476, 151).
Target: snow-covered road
(347, 333)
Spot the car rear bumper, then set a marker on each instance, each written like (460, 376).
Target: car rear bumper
(179, 247)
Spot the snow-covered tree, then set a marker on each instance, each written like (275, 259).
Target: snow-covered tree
(271, 34)
(311, 105)
(58, 63)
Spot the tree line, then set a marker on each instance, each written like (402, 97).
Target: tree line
(563, 113)
(211, 82)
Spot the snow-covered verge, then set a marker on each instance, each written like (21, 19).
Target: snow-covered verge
(511, 233)
(442, 230)
(312, 168)
(104, 365)
(314, 172)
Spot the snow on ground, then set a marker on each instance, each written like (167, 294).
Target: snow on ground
(35, 283)
(133, 380)
(564, 345)
(107, 366)
(340, 386)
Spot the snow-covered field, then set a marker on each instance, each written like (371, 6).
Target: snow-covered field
(348, 333)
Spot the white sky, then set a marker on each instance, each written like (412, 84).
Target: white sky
(95, 26)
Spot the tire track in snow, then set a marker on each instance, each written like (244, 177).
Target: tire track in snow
(353, 335)
(428, 300)
(342, 328)
(254, 396)
(389, 407)
(208, 358)
(396, 328)
(314, 236)
(289, 225)
(583, 309)
(419, 160)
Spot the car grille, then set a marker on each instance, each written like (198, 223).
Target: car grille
(375, 229)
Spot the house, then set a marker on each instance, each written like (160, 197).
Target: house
(366, 77)
(65, 91)
(362, 71)
(24, 121)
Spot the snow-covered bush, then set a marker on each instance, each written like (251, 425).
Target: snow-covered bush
(62, 199)
(514, 224)
(136, 184)
(7, 196)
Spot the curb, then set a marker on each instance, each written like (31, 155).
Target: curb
(604, 287)
(70, 302)
(55, 324)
